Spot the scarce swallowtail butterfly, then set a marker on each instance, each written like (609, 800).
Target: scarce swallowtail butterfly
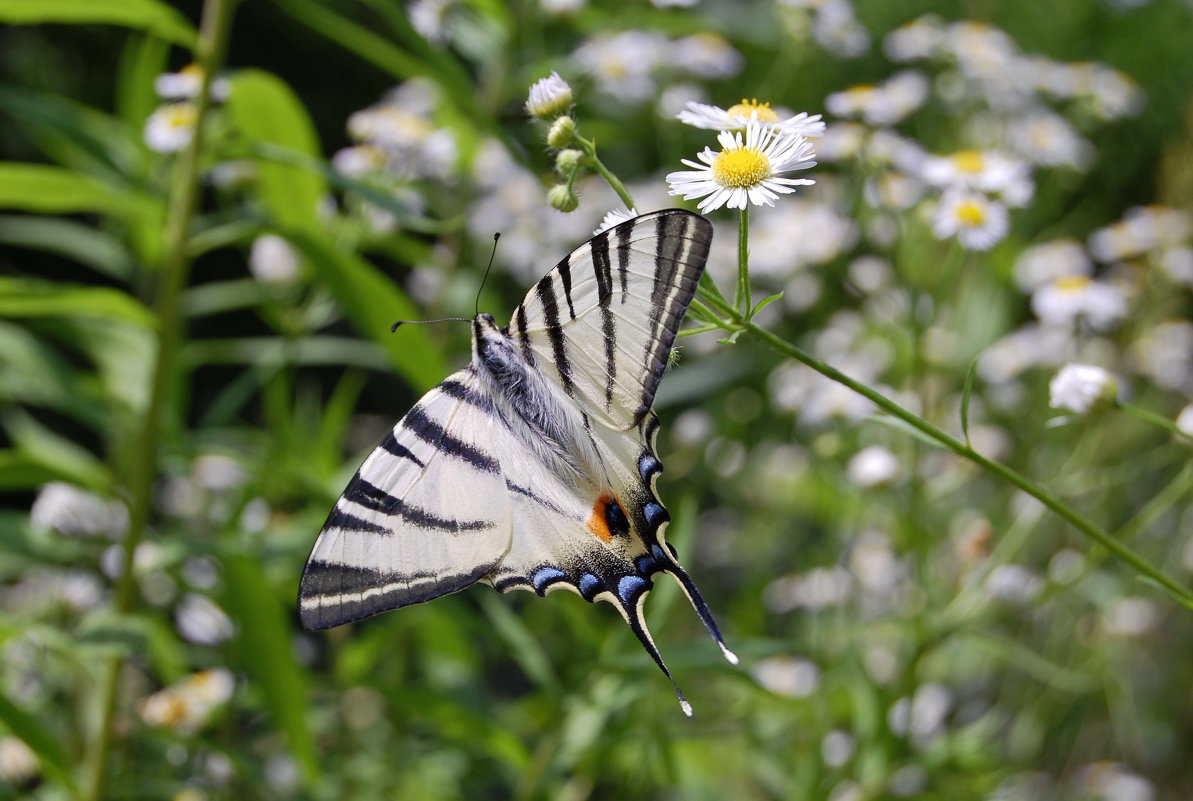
(534, 467)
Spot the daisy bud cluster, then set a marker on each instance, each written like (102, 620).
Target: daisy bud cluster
(550, 101)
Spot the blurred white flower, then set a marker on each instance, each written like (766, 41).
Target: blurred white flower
(1048, 139)
(622, 63)
(1013, 583)
(430, 18)
(51, 590)
(359, 160)
(978, 222)
(1066, 300)
(836, 29)
(706, 55)
(748, 170)
(189, 704)
(614, 218)
(201, 621)
(923, 715)
(1184, 421)
(1042, 264)
(1082, 388)
(1130, 616)
(273, 260)
(873, 466)
(735, 118)
(184, 85)
(1162, 354)
(989, 171)
(919, 39)
(1141, 230)
(18, 764)
(787, 676)
(549, 97)
(70, 510)
(837, 748)
(887, 103)
(1109, 781)
(170, 127)
(1177, 264)
(816, 589)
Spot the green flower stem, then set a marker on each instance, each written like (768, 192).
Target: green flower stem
(594, 161)
(742, 298)
(171, 279)
(733, 322)
(1155, 419)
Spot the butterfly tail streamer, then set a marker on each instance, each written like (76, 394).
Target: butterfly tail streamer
(702, 610)
(637, 622)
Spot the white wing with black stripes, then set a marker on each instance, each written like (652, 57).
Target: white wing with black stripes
(535, 468)
(603, 321)
(426, 514)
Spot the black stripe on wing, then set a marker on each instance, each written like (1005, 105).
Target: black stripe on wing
(367, 496)
(434, 434)
(331, 594)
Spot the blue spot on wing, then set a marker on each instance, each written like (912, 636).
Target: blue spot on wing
(629, 588)
(655, 514)
(645, 563)
(590, 585)
(545, 576)
(648, 466)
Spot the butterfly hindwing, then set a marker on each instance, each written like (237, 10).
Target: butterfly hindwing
(602, 322)
(425, 515)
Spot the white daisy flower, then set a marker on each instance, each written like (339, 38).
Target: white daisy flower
(184, 85)
(1064, 300)
(919, 39)
(1184, 421)
(621, 64)
(170, 127)
(885, 104)
(978, 222)
(735, 118)
(615, 217)
(989, 171)
(1082, 388)
(706, 55)
(745, 171)
(273, 260)
(1042, 264)
(549, 97)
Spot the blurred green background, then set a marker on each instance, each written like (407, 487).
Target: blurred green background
(909, 626)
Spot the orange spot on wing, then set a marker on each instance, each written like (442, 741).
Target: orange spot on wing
(596, 521)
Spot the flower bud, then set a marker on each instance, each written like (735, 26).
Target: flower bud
(549, 97)
(1082, 389)
(563, 197)
(568, 161)
(562, 133)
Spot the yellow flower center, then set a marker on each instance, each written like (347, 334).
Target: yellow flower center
(181, 115)
(970, 213)
(968, 161)
(192, 69)
(1072, 283)
(747, 107)
(741, 167)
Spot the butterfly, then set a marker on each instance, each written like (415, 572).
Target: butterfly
(534, 467)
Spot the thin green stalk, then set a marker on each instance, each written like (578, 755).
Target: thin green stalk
(595, 162)
(171, 279)
(1155, 419)
(741, 298)
(1075, 518)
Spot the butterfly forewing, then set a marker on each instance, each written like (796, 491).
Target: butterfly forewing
(426, 514)
(602, 322)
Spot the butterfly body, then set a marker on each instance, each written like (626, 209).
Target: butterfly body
(534, 467)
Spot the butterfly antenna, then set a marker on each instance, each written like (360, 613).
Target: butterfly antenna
(394, 327)
(638, 626)
(496, 236)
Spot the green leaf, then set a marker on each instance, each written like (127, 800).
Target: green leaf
(264, 109)
(22, 471)
(34, 373)
(762, 304)
(150, 16)
(41, 742)
(42, 448)
(266, 654)
(78, 136)
(373, 302)
(81, 243)
(55, 190)
(141, 61)
(965, 393)
(24, 297)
